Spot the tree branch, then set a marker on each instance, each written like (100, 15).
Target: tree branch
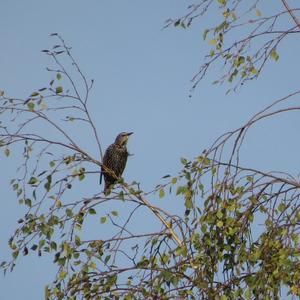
(290, 11)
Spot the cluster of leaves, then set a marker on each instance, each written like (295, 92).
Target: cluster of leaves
(234, 255)
(244, 39)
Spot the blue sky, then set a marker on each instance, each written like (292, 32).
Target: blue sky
(142, 80)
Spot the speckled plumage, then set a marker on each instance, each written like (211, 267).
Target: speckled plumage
(115, 159)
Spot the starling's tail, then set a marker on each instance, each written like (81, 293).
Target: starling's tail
(100, 179)
(107, 189)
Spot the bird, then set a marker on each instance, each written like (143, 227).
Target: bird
(114, 161)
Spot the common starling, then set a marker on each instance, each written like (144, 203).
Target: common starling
(114, 161)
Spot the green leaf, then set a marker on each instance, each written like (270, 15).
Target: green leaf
(253, 71)
(248, 294)
(58, 76)
(53, 246)
(30, 106)
(41, 244)
(107, 258)
(206, 31)
(77, 241)
(59, 90)
(103, 220)
(15, 254)
(220, 224)
(174, 180)
(47, 186)
(183, 25)
(274, 55)
(28, 202)
(203, 228)
(92, 211)
(181, 190)
(69, 212)
(161, 193)
(114, 213)
(240, 61)
(177, 23)
(62, 274)
(183, 160)
(219, 214)
(188, 203)
(281, 207)
(164, 258)
(34, 94)
(32, 180)
(166, 176)
(7, 152)
(34, 247)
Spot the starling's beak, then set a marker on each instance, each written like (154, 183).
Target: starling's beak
(129, 133)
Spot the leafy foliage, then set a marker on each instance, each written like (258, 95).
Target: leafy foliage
(243, 40)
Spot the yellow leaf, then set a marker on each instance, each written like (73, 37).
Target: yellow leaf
(58, 203)
(62, 274)
(257, 12)
(93, 265)
(226, 13)
(254, 71)
(274, 55)
(194, 265)
(161, 193)
(213, 42)
(295, 289)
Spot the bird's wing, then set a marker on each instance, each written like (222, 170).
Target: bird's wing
(108, 154)
(122, 164)
(106, 158)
